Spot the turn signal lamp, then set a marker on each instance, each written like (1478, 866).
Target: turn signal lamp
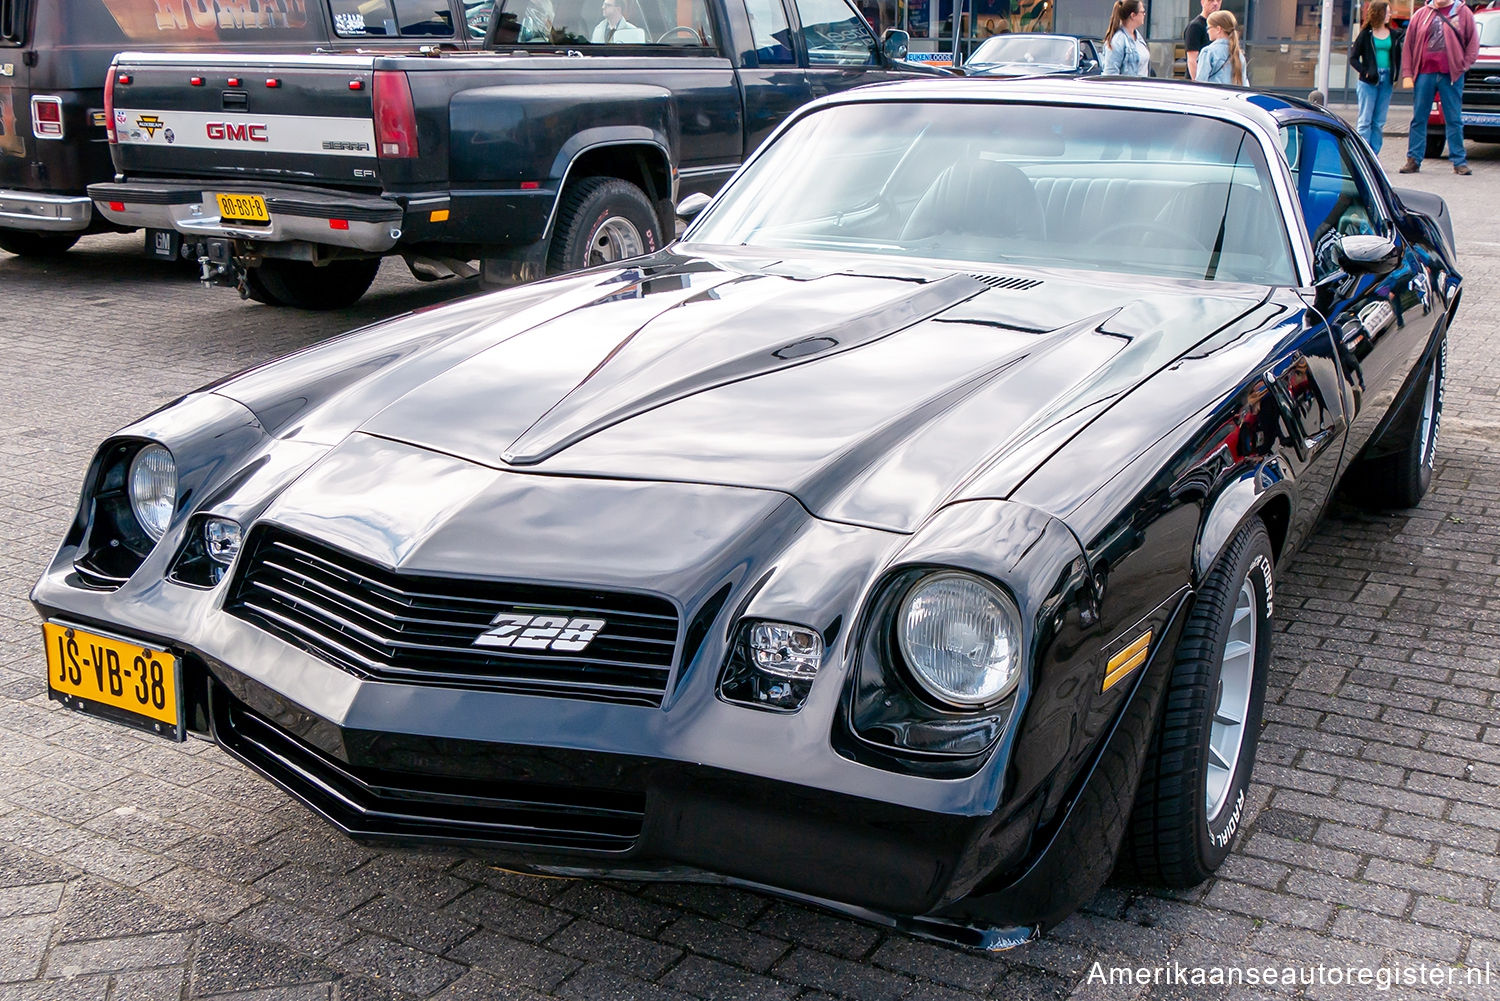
(208, 552)
(772, 666)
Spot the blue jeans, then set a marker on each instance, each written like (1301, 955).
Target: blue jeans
(1452, 96)
(1374, 102)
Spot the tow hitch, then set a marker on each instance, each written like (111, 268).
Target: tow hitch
(217, 267)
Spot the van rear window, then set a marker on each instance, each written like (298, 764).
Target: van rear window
(392, 18)
(12, 22)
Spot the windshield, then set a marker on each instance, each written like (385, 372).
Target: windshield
(1099, 188)
(1041, 50)
(1489, 30)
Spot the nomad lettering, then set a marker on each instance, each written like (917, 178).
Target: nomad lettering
(182, 15)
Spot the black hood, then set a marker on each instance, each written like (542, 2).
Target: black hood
(872, 393)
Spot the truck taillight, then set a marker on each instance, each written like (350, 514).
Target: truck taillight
(395, 117)
(109, 106)
(46, 117)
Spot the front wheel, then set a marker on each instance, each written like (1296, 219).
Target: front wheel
(302, 285)
(23, 243)
(1191, 800)
(602, 220)
(1435, 143)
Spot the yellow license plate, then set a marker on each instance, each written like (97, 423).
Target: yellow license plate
(117, 679)
(242, 208)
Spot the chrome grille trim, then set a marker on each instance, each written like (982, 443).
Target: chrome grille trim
(384, 624)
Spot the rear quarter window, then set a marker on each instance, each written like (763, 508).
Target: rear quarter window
(12, 22)
(392, 19)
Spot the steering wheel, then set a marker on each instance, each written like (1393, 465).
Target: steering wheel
(1177, 236)
(681, 29)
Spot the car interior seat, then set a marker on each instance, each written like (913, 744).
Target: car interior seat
(977, 197)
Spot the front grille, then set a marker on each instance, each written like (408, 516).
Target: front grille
(425, 807)
(1482, 87)
(420, 629)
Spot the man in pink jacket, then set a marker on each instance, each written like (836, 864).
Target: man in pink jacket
(1442, 42)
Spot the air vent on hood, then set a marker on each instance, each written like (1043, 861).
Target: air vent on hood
(1007, 282)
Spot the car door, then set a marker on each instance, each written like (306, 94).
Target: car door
(774, 80)
(1379, 323)
(842, 51)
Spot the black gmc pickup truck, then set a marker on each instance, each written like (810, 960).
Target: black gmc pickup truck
(566, 143)
(55, 54)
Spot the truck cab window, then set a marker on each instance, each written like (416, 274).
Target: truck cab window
(603, 23)
(771, 32)
(836, 34)
(392, 18)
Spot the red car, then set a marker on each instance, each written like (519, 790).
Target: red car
(1481, 90)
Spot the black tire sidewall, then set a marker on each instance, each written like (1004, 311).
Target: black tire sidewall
(1422, 449)
(302, 286)
(587, 207)
(24, 243)
(1216, 834)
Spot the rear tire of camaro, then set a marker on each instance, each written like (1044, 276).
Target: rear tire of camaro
(1400, 480)
(302, 285)
(1435, 144)
(1191, 799)
(27, 244)
(602, 219)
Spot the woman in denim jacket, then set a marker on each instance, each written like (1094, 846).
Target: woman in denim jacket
(1125, 51)
(1222, 60)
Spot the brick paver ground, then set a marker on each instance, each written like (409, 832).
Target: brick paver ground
(132, 868)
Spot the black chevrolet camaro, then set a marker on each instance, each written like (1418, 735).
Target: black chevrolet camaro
(901, 540)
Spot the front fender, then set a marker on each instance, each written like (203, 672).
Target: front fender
(1264, 489)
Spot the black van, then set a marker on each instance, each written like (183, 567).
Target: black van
(54, 55)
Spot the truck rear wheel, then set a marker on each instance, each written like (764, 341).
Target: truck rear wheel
(602, 220)
(301, 285)
(1435, 141)
(27, 244)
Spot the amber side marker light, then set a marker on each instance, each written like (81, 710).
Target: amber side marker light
(1127, 660)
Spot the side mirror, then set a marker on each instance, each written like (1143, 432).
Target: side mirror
(1088, 66)
(693, 204)
(1367, 255)
(894, 45)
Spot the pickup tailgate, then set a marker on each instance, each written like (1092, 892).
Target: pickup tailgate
(304, 119)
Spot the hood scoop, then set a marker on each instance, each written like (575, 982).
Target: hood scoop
(640, 373)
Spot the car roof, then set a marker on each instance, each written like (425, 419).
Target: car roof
(1268, 111)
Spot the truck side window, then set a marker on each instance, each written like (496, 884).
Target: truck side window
(771, 32)
(392, 18)
(835, 33)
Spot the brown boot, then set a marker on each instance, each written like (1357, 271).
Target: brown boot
(1411, 166)
(1461, 168)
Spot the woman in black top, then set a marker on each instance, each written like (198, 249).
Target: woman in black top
(1375, 54)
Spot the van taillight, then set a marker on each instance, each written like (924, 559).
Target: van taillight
(395, 118)
(109, 106)
(47, 117)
